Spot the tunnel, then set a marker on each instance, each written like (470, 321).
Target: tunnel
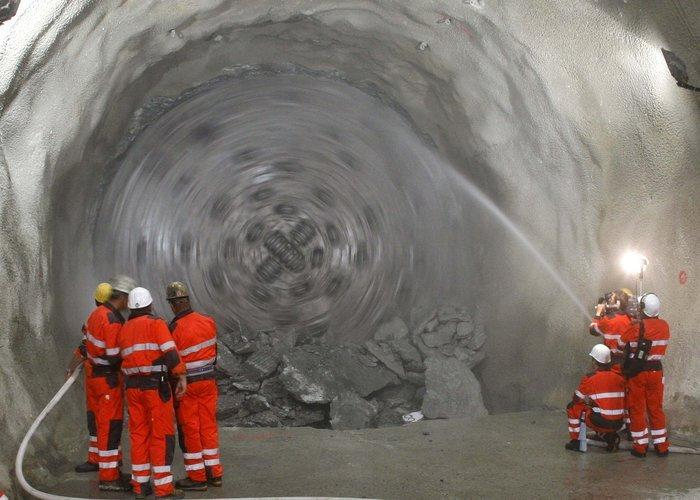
(325, 166)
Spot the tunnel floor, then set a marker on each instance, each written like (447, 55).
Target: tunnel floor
(509, 455)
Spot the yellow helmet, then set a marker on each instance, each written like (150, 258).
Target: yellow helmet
(627, 292)
(103, 292)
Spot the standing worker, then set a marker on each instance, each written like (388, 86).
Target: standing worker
(103, 382)
(611, 322)
(645, 343)
(102, 294)
(148, 355)
(600, 400)
(195, 337)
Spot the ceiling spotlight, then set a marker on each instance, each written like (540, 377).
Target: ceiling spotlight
(678, 70)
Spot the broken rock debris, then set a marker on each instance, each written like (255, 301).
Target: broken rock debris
(270, 379)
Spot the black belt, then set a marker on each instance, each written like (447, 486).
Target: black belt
(103, 371)
(142, 382)
(201, 376)
(652, 366)
(604, 423)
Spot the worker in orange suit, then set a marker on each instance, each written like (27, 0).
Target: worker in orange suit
(195, 337)
(611, 322)
(599, 401)
(149, 357)
(645, 343)
(102, 294)
(103, 386)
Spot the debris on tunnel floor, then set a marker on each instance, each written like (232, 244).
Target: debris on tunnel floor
(274, 379)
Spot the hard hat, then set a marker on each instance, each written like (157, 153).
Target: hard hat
(176, 290)
(650, 305)
(103, 292)
(139, 298)
(601, 353)
(121, 283)
(627, 292)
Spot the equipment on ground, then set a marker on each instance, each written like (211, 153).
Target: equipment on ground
(582, 441)
(601, 353)
(121, 283)
(139, 298)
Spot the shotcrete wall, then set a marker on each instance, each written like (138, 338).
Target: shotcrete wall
(563, 113)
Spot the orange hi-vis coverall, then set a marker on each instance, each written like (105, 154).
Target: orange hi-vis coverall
(195, 337)
(606, 389)
(103, 389)
(645, 391)
(611, 327)
(148, 353)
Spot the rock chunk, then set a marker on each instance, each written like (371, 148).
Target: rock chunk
(350, 411)
(386, 355)
(318, 374)
(262, 364)
(409, 355)
(452, 390)
(392, 330)
(226, 362)
(441, 336)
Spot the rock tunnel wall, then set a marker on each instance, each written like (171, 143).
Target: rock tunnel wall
(584, 141)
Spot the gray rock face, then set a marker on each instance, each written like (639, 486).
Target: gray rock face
(350, 411)
(8, 8)
(392, 330)
(229, 404)
(226, 362)
(318, 374)
(409, 355)
(386, 355)
(441, 336)
(262, 364)
(452, 390)
(256, 404)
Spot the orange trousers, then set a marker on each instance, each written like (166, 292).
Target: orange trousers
(152, 432)
(573, 411)
(105, 416)
(645, 396)
(198, 430)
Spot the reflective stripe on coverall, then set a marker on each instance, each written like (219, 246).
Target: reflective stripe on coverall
(149, 354)
(195, 337)
(645, 391)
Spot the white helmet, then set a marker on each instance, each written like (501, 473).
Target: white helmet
(122, 283)
(601, 353)
(650, 305)
(139, 298)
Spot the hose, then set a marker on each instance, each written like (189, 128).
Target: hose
(627, 446)
(25, 442)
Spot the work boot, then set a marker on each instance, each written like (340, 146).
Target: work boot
(146, 491)
(215, 481)
(117, 485)
(187, 484)
(638, 454)
(573, 445)
(174, 494)
(87, 467)
(662, 454)
(613, 441)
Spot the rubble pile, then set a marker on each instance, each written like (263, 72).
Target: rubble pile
(276, 378)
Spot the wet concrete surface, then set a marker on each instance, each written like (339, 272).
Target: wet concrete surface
(517, 455)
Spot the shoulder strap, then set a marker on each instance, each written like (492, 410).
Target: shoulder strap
(641, 330)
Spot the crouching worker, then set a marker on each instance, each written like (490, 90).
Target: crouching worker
(599, 400)
(195, 337)
(148, 355)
